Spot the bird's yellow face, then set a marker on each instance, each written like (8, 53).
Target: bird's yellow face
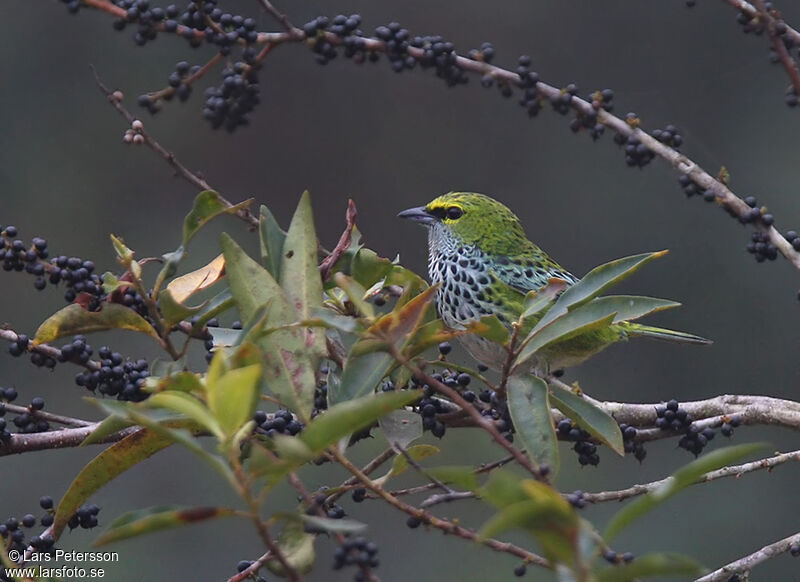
(472, 219)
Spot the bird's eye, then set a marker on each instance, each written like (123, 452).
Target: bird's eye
(454, 213)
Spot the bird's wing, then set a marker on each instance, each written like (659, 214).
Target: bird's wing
(529, 274)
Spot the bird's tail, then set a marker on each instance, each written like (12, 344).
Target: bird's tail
(660, 333)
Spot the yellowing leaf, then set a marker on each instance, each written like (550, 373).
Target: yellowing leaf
(74, 319)
(183, 287)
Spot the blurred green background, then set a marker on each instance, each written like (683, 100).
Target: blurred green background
(391, 142)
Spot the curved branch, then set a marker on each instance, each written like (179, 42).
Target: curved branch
(748, 562)
(58, 439)
(733, 471)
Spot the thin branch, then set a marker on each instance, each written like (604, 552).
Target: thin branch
(281, 18)
(170, 158)
(744, 565)
(434, 481)
(447, 498)
(437, 522)
(777, 43)
(344, 241)
(44, 349)
(732, 471)
(252, 569)
(48, 416)
(368, 468)
(751, 10)
(57, 439)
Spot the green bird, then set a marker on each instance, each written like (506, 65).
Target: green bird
(484, 264)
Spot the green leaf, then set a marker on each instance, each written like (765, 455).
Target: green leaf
(271, 237)
(630, 307)
(173, 311)
(462, 477)
(502, 489)
(681, 479)
(326, 524)
(595, 282)
(356, 293)
(300, 277)
(220, 303)
(417, 453)
(650, 565)
(297, 547)
(189, 406)
(536, 301)
(232, 399)
(584, 319)
(401, 427)
(112, 462)
(346, 418)
(368, 268)
(150, 520)
(544, 514)
(490, 327)
(594, 420)
(106, 428)
(360, 375)
(124, 254)
(329, 318)
(225, 336)
(287, 370)
(207, 205)
(74, 319)
(529, 406)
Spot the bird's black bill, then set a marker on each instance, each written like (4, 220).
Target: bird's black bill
(419, 214)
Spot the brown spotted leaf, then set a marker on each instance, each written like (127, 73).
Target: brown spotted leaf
(73, 320)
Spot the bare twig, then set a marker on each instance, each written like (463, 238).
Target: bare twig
(747, 563)
(447, 498)
(343, 244)
(48, 416)
(422, 472)
(252, 569)
(732, 471)
(170, 158)
(444, 525)
(785, 57)
(57, 439)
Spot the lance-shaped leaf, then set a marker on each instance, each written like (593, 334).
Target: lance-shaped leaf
(368, 268)
(594, 420)
(356, 293)
(287, 370)
(296, 546)
(651, 565)
(300, 277)
(584, 319)
(74, 319)
(529, 406)
(595, 282)
(271, 238)
(490, 327)
(346, 418)
(417, 453)
(681, 479)
(232, 398)
(220, 303)
(187, 285)
(189, 406)
(207, 205)
(365, 368)
(630, 307)
(401, 427)
(463, 477)
(113, 461)
(546, 515)
(536, 301)
(145, 521)
(173, 311)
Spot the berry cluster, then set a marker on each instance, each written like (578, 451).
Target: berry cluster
(576, 499)
(230, 104)
(28, 421)
(320, 504)
(282, 422)
(615, 558)
(586, 450)
(695, 440)
(244, 565)
(85, 517)
(115, 376)
(672, 417)
(11, 530)
(728, 425)
(599, 100)
(692, 189)
(356, 552)
(177, 80)
(630, 443)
